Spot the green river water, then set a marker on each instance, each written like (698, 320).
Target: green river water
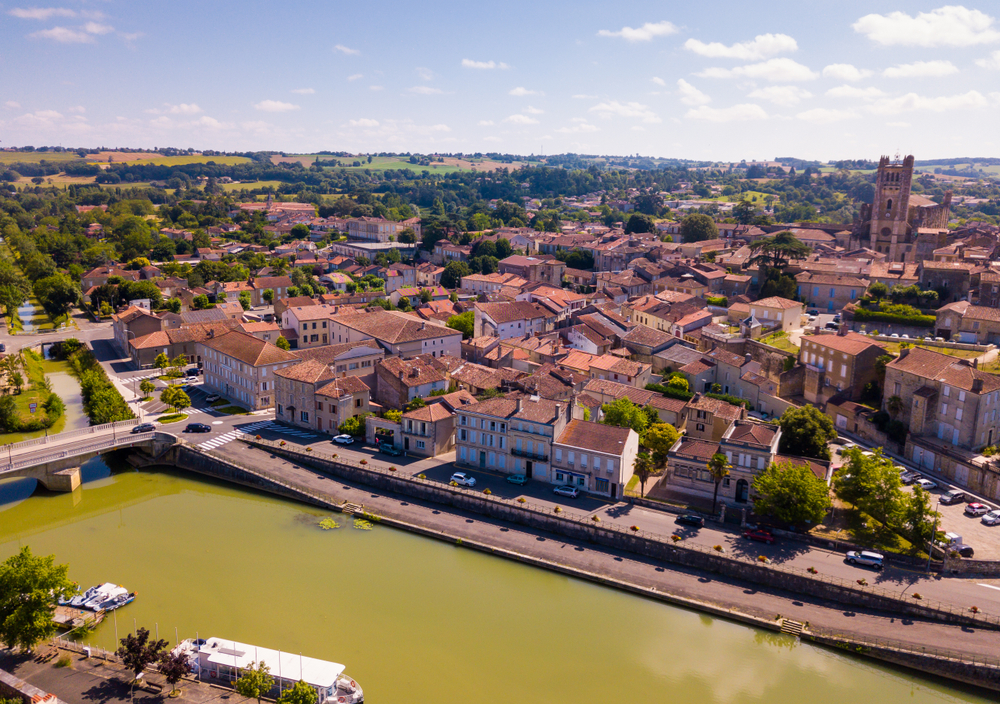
(415, 621)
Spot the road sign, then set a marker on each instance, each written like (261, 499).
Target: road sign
(32, 406)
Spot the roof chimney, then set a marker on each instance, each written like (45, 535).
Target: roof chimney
(401, 375)
(842, 331)
(977, 386)
(520, 404)
(903, 352)
(747, 358)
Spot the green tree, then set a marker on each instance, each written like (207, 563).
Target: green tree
(414, 404)
(658, 439)
(299, 693)
(805, 432)
(173, 305)
(625, 414)
(17, 380)
(698, 228)
(426, 296)
(791, 493)
(244, 300)
(744, 212)
(872, 485)
(452, 275)
(200, 302)
(146, 387)
(394, 415)
(878, 290)
(679, 383)
(57, 294)
(640, 222)
(894, 405)
(777, 251)
(137, 651)
(917, 519)
(643, 468)
(176, 398)
(162, 361)
(255, 681)
(463, 322)
(268, 296)
(30, 588)
(718, 467)
(282, 343)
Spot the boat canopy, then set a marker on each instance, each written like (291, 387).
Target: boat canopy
(289, 666)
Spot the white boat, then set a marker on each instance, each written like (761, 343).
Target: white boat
(101, 593)
(116, 598)
(222, 660)
(78, 600)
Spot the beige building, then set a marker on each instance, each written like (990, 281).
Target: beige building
(399, 334)
(836, 363)
(310, 395)
(963, 322)
(830, 292)
(595, 458)
(242, 368)
(786, 314)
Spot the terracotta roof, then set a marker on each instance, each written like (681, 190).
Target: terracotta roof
(749, 432)
(715, 406)
(943, 368)
(698, 449)
(248, 349)
(852, 343)
(611, 363)
(726, 357)
(818, 467)
(415, 372)
(308, 372)
(777, 302)
(646, 336)
(534, 410)
(597, 437)
(343, 386)
(831, 279)
(509, 312)
(430, 414)
(394, 329)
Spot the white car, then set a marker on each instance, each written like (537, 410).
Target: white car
(570, 491)
(977, 509)
(463, 479)
(344, 439)
(992, 518)
(926, 484)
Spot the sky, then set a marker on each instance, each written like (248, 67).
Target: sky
(713, 79)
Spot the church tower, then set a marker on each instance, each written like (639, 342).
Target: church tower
(890, 227)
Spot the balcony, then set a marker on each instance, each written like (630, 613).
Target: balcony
(540, 456)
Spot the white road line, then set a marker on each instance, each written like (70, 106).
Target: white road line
(990, 586)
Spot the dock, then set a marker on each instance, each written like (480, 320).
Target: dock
(70, 617)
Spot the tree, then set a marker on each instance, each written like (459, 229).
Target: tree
(282, 344)
(659, 438)
(355, 425)
(200, 302)
(776, 251)
(698, 228)
(414, 404)
(407, 236)
(162, 361)
(625, 414)
(679, 383)
(744, 212)
(805, 432)
(30, 588)
(791, 493)
(464, 322)
(894, 405)
(18, 381)
(452, 275)
(640, 222)
(394, 415)
(146, 387)
(872, 485)
(718, 467)
(255, 681)
(244, 299)
(643, 468)
(57, 294)
(173, 666)
(918, 520)
(299, 693)
(426, 296)
(268, 296)
(137, 651)
(176, 398)
(173, 305)
(878, 290)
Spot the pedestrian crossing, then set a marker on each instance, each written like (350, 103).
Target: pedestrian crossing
(232, 435)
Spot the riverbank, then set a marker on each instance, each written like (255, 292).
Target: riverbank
(726, 597)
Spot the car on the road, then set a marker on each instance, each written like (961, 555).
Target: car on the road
(518, 479)
(143, 428)
(690, 519)
(836, 318)
(866, 558)
(387, 449)
(976, 510)
(344, 439)
(832, 325)
(213, 398)
(3, 347)
(198, 428)
(927, 484)
(812, 318)
(193, 371)
(759, 534)
(570, 491)
(894, 335)
(992, 518)
(463, 479)
(909, 477)
(952, 496)
(813, 311)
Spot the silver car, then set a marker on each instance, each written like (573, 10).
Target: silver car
(866, 558)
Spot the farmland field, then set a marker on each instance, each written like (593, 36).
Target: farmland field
(249, 185)
(37, 157)
(381, 163)
(187, 159)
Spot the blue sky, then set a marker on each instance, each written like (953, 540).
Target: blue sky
(700, 80)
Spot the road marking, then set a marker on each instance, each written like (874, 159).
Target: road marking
(990, 586)
(231, 435)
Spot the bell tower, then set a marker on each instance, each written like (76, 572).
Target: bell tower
(890, 227)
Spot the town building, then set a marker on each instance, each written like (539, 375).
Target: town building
(241, 368)
(595, 458)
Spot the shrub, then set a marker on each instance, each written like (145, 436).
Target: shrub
(558, 509)
(309, 449)
(811, 570)
(520, 499)
(863, 582)
(902, 316)
(989, 451)
(735, 400)
(974, 609)
(421, 476)
(762, 558)
(63, 661)
(634, 528)
(595, 519)
(718, 548)
(282, 443)
(917, 596)
(676, 538)
(453, 483)
(364, 462)
(487, 492)
(392, 469)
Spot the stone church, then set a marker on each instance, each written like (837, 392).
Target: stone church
(906, 227)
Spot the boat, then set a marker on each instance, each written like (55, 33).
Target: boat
(116, 602)
(221, 660)
(78, 600)
(109, 598)
(101, 594)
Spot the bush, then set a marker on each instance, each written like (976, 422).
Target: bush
(900, 318)
(720, 301)
(101, 399)
(736, 401)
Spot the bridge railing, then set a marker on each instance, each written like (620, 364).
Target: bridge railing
(59, 438)
(38, 459)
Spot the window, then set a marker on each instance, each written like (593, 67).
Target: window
(597, 464)
(304, 416)
(895, 388)
(463, 437)
(944, 409)
(357, 403)
(843, 370)
(946, 391)
(958, 414)
(559, 476)
(571, 458)
(601, 485)
(463, 417)
(961, 395)
(420, 444)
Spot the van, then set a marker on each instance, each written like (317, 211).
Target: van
(952, 497)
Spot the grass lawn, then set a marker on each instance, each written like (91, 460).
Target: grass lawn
(780, 341)
(632, 483)
(232, 410)
(991, 367)
(172, 418)
(37, 157)
(894, 347)
(33, 373)
(188, 159)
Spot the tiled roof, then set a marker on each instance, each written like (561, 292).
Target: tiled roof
(698, 449)
(343, 386)
(749, 432)
(429, 414)
(851, 343)
(943, 368)
(509, 312)
(611, 363)
(534, 410)
(308, 372)
(726, 357)
(831, 279)
(776, 302)
(394, 329)
(597, 437)
(248, 349)
(328, 354)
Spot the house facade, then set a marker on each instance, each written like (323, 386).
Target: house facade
(242, 368)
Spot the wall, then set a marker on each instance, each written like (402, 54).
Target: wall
(12, 687)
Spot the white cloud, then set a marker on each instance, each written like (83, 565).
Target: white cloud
(897, 124)
(13, 105)
(952, 25)
(346, 50)
(921, 69)
(691, 95)
(425, 90)
(991, 62)
(96, 28)
(363, 122)
(486, 123)
(845, 72)
(783, 70)
(736, 113)
(521, 120)
(355, 76)
(658, 81)
(63, 35)
(522, 91)
(760, 47)
(78, 109)
(912, 101)
(425, 73)
(206, 121)
(781, 95)
(41, 13)
(642, 34)
(612, 108)
(826, 115)
(275, 106)
(583, 96)
(846, 91)
(469, 63)
(304, 91)
(532, 110)
(581, 127)
(183, 109)
(41, 118)
(376, 87)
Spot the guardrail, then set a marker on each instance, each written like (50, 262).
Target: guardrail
(61, 437)
(121, 441)
(852, 640)
(860, 585)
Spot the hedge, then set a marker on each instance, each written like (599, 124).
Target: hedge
(670, 392)
(735, 400)
(921, 321)
(101, 399)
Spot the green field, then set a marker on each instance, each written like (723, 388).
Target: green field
(251, 185)
(37, 157)
(190, 159)
(381, 163)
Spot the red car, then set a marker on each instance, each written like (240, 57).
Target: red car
(760, 534)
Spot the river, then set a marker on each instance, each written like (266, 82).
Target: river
(416, 621)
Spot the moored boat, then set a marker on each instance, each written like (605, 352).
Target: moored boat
(102, 592)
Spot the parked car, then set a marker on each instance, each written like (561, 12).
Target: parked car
(343, 440)
(143, 428)
(836, 318)
(866, 558)
(463, 479)
(977, 510)
(198, 428)
(928, 338)
(894, 335)
(909, 477)
(570, 491)
(212, 398)
(812, 318)
(927, 484)
(760, 534)
(952, 497)
(689, 519)
(832, 325)
(518, 479)
(387, 449)
(3, 347)
(905, 336)
(193, 371)
(938, 339)
(992, 518)
(963, 550)
(813, 311)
